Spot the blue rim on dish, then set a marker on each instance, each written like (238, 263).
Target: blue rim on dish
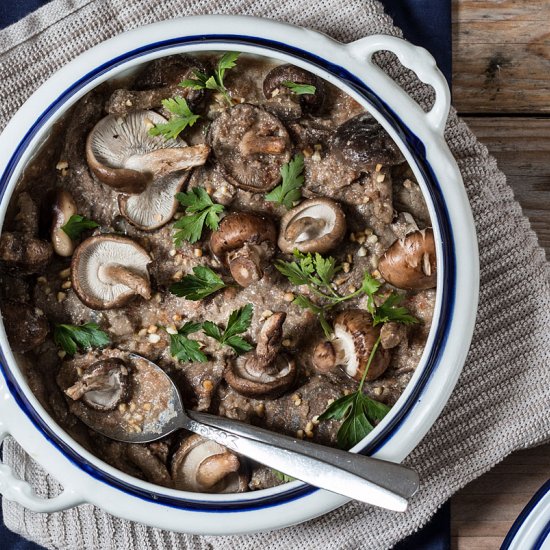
(448, 261)
(525, 513)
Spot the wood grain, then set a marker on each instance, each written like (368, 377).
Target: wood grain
(501, 61)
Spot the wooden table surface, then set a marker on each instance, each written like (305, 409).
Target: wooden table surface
(501, 86)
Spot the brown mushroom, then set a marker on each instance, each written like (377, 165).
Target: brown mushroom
(63, 208)
(363, 143)
(103, 386)
(264, 371)
(250, 146)
(353, 343)
(324, 357)
(315, 225)
(24, 254)
(275, 86)
(244, 242)
(107, 271)
(204, 466)
(410, 263)
(125, 156)
(26, 326)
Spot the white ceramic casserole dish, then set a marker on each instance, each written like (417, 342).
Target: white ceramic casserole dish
(85, 478)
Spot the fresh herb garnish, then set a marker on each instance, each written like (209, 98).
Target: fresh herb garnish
(213, 82)
(183, 117)
(282, 477)
(199, 210)
(290, 189)
(185, 349)
(76, 225)
(299, 89)
(201, 284)
(73, 337)
(238, 322)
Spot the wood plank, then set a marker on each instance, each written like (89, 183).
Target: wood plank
(522, 148)
(501, 56)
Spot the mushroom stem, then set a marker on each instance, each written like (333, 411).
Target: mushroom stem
(304, 229)
(252, 143)
(119, 274)
(245, 265)
(214, 468)
(161, 162)
(268, 346)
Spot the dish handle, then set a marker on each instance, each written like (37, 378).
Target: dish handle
(418, 60)
(19, 491)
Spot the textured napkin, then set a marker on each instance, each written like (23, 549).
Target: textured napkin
(502, 400)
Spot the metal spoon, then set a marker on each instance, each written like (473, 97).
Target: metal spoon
(385, 484)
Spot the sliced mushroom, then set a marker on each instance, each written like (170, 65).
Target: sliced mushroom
(23, 253)
(250, 146)
(63, 208)
(26, 326)
(353, 343)
(122, 154)
(160, 79)
(274, 86)
(103, 386)
(204, 466)
(264, 371)
(107, 271)
(244, 242)
(315, 225)
(157, 204)
(410, 263)
(363, 143)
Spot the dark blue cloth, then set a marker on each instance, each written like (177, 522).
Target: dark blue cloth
(424, 22)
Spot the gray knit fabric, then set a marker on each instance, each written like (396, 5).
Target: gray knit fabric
(502, 400)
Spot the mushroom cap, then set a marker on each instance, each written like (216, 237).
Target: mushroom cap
(315, 225)
(410, 263)
(354, 339)
(117, 150)
(103, 386)
(23, 254)
(204, 466)
(239, 228)
(247, 167)
(91, 267)
(156, 206)
(272, 383)
(363, 143)
(311, 103)
(26, 326)
(324, 357)
(63, 208)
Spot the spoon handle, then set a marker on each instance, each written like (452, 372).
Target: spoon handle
(385, 484)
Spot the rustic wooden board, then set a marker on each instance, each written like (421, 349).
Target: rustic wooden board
(501, 56)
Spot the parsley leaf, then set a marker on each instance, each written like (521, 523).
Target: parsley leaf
(283, 477)
(183, 117)
(299, 89)
(200, 210)
(201, 284)
(185, 349)
(213, 82)
(238, 322)
(76, 225)
(73, 337)
(391, 311)
(290, 189)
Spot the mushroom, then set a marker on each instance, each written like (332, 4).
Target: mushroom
(410, 263)
(264, 371)
(274, 86)
(250, 146)
(315, 225)
(324, 357)
(160, 79)
(204, 466)
(244, 242)
(122, 154)
(103, 386)
(363, 143)
(23, 253)
(63, 208)
(353, 343)
(107, 271)
(26, 326)
(157, 204)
